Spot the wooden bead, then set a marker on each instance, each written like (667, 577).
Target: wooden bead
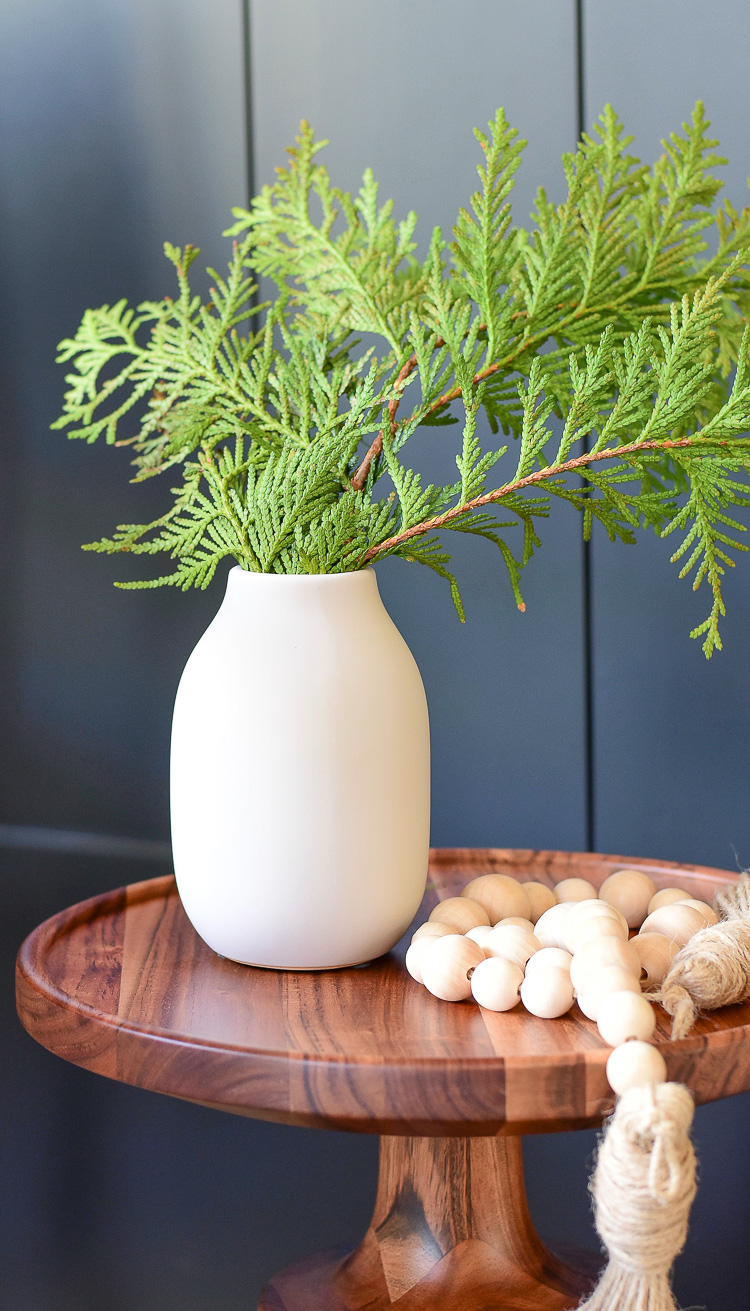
(703, 908)
(629, 890)
(461, 912)
(625, 1015)
(665, 896)
(593, 908)
(655, 953)
(448, 965)
(613, 978)
(599, 954)
(547, 993)
(551, 927)
(499, 895)
(675, 921)
(432, 929)
(479, 933)
(518, 921)
(495, 984)
(633, 1064)
(549, 958)
(574, 890)
(540, 899)
(600, 926)
(513, 943)
(414, 956)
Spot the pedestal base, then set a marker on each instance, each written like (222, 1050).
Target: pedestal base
(451, 1231)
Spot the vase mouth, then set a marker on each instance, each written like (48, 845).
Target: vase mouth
(237, 574)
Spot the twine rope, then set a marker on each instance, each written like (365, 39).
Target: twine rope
(713, 968)
(643, 1187)
(733, 903)
(644, 1182)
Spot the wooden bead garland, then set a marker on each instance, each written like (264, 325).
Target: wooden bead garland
(547, 993)
(656, 954)
(447, 966)
(644, 1181)
(709, 915)
(496, 983)
(434, 929)
(600, 953)
(414, 955)
(613, 978)
(540, 897)
(512, 942)
(585, 938)
(550, 928)
(461, 912)
(518, 921)
(675, 921)
(624, 1016)
(549, 957)
(665, 896)
(591, 930)
(574, 890)
(634, 1063)
(479, 933)
(630, 891)
(593, 908)
(499, 895)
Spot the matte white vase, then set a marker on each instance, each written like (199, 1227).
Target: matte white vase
(300, 774)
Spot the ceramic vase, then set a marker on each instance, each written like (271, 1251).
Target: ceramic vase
(300, 774)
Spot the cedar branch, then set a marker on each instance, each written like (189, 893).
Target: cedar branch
(360, 477)
(539, 475)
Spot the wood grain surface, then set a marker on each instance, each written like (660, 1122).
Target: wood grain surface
(122, 985)
(450, 1230)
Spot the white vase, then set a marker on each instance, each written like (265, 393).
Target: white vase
(300, 774)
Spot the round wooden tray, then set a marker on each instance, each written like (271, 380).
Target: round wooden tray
(122, 985)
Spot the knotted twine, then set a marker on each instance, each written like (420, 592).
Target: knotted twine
(644, 1182)
(643, 1187)
(713, 968)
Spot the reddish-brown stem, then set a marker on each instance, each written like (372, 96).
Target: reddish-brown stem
(588, 457)
(360, 477)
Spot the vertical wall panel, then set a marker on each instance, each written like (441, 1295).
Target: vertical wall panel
(673, 732)
(399, 86)
(672, 759)
(122, 124)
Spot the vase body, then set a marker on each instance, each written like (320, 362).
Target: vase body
(300, 774)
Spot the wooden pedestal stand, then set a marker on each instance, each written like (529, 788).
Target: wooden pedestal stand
(122, 985)
(450, 1229)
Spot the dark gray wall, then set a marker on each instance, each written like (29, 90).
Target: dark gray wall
(672, 759)
(123, 124)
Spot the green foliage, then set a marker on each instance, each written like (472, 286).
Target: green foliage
(607, 343)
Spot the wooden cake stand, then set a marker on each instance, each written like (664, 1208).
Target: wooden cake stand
(122, 985)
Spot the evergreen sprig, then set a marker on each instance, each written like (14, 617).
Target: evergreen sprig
(608, 343)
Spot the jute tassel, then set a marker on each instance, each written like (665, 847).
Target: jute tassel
(713, 968)
(643, 1187)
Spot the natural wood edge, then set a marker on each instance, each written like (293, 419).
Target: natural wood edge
(267, 1083)
(540, 861)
